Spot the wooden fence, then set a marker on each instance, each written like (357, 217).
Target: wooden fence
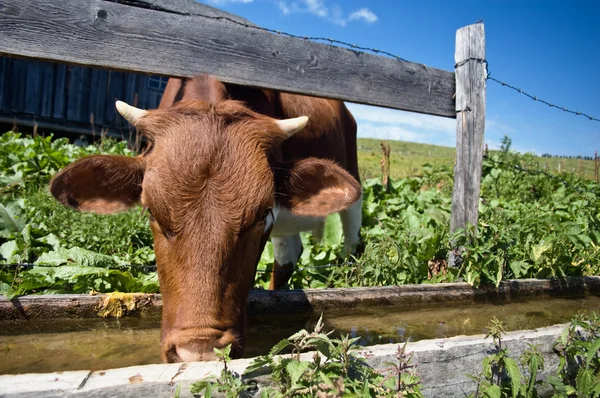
(180, 38)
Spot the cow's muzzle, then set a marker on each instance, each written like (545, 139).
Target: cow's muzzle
(185, 346)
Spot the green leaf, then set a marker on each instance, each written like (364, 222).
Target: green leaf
(8, 251)
(277, 348)
(539, 249)
(333, 233)
(596, 389)
(320, 256)
(518, 268)
(326, 379)
(594, 347)
(204, 385)
(512, 370)
(585, 381)
(258, 363)
(10, 219)
(492, 391)
(77, 256)
(296, 369)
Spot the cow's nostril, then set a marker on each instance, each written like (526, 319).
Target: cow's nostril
(171, 355)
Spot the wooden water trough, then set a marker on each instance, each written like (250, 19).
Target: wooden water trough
(443, 364)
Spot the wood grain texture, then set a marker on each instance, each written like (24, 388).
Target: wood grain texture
(125, 37)
(470, 124)
(191, 7)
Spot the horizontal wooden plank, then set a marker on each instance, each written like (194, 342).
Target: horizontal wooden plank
(191, 7)
(125, 37)
(444, 365)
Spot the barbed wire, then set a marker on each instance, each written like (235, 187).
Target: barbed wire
(535, 98)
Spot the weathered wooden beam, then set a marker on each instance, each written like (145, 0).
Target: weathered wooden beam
(128, 37)
(470, 124)
(444, 366)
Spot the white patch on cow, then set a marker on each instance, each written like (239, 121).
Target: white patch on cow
(287, 244)
(287, 249)
(288, 224)
(351, 222)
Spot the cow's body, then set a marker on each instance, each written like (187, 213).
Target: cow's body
(331, 134)
(226, 167)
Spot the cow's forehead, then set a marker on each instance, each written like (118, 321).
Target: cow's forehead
(228, 176)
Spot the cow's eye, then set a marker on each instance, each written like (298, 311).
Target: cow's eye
(150, 214)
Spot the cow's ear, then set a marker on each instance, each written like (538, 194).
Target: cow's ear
(316, 187)
(101, 184)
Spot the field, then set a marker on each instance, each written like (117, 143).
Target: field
(407, 159)
(530, 225)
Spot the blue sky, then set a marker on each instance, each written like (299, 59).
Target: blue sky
(548, 48)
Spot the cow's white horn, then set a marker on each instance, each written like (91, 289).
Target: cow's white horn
(130, 113)
(292, 126)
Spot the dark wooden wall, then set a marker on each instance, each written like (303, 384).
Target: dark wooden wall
(62, 95)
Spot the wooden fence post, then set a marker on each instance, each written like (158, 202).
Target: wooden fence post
(470, 72)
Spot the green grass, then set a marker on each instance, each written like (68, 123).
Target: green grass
(529, 225)
(407, 159)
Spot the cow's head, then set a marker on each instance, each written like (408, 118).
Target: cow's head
(212, 189)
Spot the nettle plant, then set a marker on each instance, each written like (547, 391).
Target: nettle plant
(335, 370)
(578, 374)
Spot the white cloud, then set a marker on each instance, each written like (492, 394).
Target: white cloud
(383, 132)
(224, 2)
(284, 8)
(317, 7)
(409, 119)
(334, 14)
(337, 16)
(390, 124)
(365, 14)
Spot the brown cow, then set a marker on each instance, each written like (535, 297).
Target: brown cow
(226, 167)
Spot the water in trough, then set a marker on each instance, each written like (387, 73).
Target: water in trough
(38, 346)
